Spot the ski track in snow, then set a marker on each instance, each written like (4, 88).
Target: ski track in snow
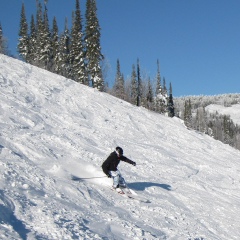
(53, 128)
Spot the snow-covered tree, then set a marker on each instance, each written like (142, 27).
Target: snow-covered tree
(188, 113)
(63, 55)
(3, 43)
(139, 85)
(161, 99)
(39, 36)
(134, 86)
(158, 77)
(171, 112)
(1, 40)
(32, 47)
(149, 95)
(78, 68)
(46, 50)
(54, 45)
(119, 90)
(93, 48)
(23, 41)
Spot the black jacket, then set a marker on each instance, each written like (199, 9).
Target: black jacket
(111, 163)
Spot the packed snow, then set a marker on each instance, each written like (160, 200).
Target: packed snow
(53, 128)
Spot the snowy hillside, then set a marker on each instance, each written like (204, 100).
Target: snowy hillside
(233, 111)
(52, 128)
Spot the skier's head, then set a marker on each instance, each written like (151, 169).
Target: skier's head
(119, 151)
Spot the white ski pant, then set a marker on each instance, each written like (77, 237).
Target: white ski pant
(117, 178)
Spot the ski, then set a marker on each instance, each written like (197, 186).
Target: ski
(127, 192)
(118, 190)
(138, 198)
(132, 195)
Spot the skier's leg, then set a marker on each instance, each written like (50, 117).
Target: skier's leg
(122, 182)
(115, 176)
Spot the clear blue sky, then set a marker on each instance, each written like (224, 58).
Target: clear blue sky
(196, 41)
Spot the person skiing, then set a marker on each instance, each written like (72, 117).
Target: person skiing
(109, 167)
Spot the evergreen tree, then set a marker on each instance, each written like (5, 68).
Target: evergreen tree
(78, 69)
(93, 48)
(161, 93)
(32, 43)
(134, 86)
(23, 47)
(39, 36)
(119, 90)
(158, 85)
(164, 89)
(188, 113)
(54, 45)
(139, 85)
(149, 95)
(3, 43)
(170, 103)
(63, 55)
(1, 40)
(199, 121)
(228, 129)
(46, 50)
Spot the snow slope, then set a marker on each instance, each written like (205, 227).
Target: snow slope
(233, 111)
(52, 128)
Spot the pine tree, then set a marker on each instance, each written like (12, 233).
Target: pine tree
(39, 36)
(1, 40)
(139, 85)
(134, 86)
(164, 89)
(32, 43)
(161, 94)
(228, 129)
(170, 103)
(3, 43)
(78, 68)
(46, 50)
(93, 48)
(23, 41)
(119, 90)
(188, 113)
(54, 45)
(149, 95)
(199, 120)
(158, 84)
(63, 55)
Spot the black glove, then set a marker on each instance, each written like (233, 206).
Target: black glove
(134, 164)
(109, 175)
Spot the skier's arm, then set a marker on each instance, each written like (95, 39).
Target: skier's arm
(125, 159)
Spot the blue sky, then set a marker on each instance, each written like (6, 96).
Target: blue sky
(197, 42)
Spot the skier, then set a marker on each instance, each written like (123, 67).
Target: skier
(109, 167)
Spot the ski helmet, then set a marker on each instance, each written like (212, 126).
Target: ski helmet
(119, 150)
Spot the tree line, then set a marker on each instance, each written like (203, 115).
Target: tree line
(141, 91)
(219, 126)
(75, 53)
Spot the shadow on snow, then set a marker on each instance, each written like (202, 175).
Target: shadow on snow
(7, 216)
(141, 186)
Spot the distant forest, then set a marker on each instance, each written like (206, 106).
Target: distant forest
(221, 127)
